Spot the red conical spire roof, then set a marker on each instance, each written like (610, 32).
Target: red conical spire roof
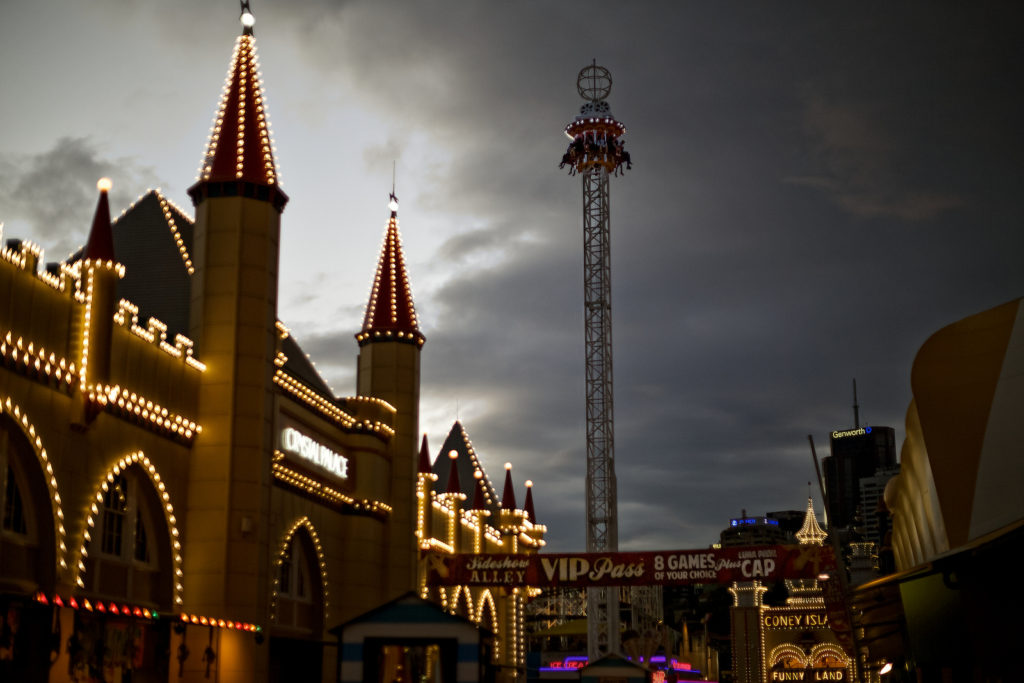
(240, 147)
(528, 505)
(100, 246)
(390, 313)
(424, 463)
(453, 474)
(508, 496)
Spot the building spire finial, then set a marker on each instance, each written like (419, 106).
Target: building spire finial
(247, 18)
(856, 407)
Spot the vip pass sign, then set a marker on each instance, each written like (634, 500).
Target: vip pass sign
(295, 442)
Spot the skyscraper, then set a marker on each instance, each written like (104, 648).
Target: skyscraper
(855, 454)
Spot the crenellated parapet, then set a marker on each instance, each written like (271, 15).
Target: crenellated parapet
(155, 333)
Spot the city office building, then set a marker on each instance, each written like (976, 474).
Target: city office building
(855, 454)
(874, 515)
(184, 498)
(744, 530)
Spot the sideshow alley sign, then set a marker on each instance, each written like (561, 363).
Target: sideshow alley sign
(659, 568)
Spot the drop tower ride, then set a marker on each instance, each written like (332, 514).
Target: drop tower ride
(596, 152)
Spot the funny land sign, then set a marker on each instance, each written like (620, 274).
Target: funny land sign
(657, 568)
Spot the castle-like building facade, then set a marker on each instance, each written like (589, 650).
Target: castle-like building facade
(183, 497)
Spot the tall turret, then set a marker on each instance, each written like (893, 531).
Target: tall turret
(389, 368)
(238, 205)
(100, 273)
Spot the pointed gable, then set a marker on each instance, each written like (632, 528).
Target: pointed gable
(390, 313)
(153, 239)
(468, 465)
(240, 147)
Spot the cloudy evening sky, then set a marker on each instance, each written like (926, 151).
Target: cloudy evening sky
(817, 188)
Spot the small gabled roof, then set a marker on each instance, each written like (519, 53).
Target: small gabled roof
(240, 146)
(412, 610)
(468, 464)
(390, 312)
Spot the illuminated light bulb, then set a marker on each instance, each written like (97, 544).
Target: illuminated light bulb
(104, 184)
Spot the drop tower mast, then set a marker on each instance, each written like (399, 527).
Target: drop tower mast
(596, 151)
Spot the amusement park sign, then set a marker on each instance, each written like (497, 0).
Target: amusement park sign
(664, 568)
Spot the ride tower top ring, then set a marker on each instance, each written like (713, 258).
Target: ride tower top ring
(594, 83)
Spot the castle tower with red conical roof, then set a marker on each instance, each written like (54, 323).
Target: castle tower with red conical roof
(238, 205)
(100, 273)
(389, 368)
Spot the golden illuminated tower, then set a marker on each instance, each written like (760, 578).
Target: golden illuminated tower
(238, 207)
(389, 368)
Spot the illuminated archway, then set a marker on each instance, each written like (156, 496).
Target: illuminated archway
(485, 606)
(828, 656)
(463, 607)
(287, 552)
(28, 430)
(112, 478)
(787, 656)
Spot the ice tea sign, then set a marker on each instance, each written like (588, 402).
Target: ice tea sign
(294, 442)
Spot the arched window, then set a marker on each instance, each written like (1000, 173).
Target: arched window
(299, 601)
(27, 560)
(14, 508)
(293, 581)
(130, 543)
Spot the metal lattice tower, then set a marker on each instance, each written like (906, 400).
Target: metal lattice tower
(596, 152)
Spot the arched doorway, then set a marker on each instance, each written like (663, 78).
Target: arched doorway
(299, 603)
(128, 559)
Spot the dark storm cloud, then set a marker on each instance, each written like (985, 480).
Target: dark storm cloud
(55, 191)
(816, 190)
(802, 212)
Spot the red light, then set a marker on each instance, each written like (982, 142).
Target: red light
(137, 612)
(100, 607)
(57, 601)
(113, 609)
(40, 597)
(73, 602)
